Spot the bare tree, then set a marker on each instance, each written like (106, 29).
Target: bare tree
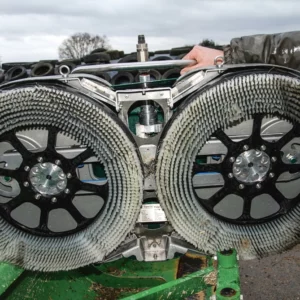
(81, 44)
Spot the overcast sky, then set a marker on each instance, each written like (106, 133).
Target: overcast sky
(33, 29)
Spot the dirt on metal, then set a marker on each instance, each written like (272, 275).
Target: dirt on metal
(110, 293)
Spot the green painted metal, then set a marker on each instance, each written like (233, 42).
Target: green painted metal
(8, 274)
(228, 285)
(178, 289)
(128, 278)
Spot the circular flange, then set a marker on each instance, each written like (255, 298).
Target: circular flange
(47, 179)
(251, 166)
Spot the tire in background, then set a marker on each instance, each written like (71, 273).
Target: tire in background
(42, 69)
(172, 73)
(122, 77)
(96, 58)
(15, 73)
(9, 65)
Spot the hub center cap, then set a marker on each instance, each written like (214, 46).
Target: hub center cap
(48, 179)
(251, 166)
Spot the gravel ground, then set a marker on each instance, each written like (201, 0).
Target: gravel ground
(276, 277)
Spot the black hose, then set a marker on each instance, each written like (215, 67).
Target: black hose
(172, 73)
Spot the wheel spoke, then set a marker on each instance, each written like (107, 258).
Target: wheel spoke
(78, 217)
(286, 138)
(8, 173)
(292, 168)
(218, 197)
(100, 190)
(12, 204)
(203, 168)
(52, 136)
(80, 158)
(256, 129)
(279, 198)
(43, 225)
(17, 144)
(223, 137)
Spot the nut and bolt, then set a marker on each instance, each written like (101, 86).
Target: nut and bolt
(241, 186)
(37, 196)
(232, 159)
(54, 200)
(57, 162)
(67, 191)
(246, 147)
(263, 147)
(69, 175)
(258, 186)
(26, 184)
(40, 159)
(230, 175)
(274, 159)
(26, 168)
(271, 175)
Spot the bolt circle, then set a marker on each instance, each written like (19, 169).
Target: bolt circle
(69, 175)
(258, 186)
(26, 184)
(274, 159)
(245, 147)
(40, 159)
(271, 175)
(263, 147)
(54, 200)
(241, 186)
(37, 196)
(26, 168)
(230, 175)
(67, 191)
(57, 162)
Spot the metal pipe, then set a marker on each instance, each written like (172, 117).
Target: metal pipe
(131, 66)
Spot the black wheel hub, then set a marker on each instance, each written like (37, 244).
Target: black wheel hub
(248, 191)
(47, 201)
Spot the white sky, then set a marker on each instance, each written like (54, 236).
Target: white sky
(32, 30)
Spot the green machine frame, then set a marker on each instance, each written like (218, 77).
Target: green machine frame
(190, 276)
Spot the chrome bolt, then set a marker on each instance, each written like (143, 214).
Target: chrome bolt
(258, 186)
(67, 191)
(263, 147)
(246, 147)
(69, 175)
(258, 153)
(230, 175)
(40, 159)
(54, 200)
(62, 175)
(274, 159)
(60, 185)
(241, 186)
(37, 196)
(26, 168)
(271, 175)
(26, 184)
(232, 159)
(57, 162)
(238, 160)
